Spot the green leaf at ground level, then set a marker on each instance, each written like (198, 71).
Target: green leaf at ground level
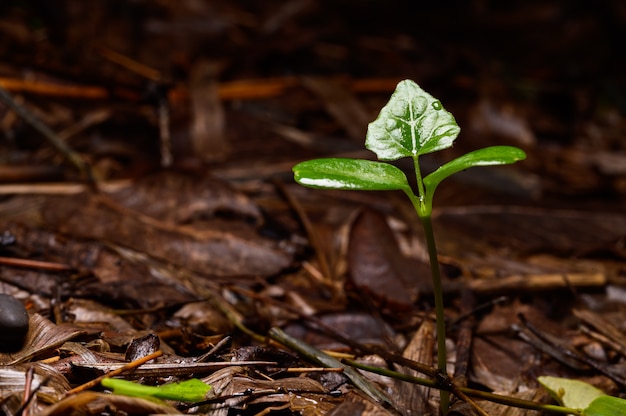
(494, 155)
(350, 174)
(412, 123)
(606, 406)
(570, 393)
(192, 390)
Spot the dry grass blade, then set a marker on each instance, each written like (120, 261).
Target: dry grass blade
(50, 384)
(170, 369)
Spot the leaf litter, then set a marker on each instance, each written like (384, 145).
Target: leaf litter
(194, 259)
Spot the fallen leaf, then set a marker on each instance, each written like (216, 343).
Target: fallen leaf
(377, 266)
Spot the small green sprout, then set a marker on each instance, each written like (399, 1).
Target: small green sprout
(580, 395)
(191, 391)
(606, 406)
(411, 124)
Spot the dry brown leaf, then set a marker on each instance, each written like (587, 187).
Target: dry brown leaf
(378, 268)
(214, 252)
(42, 336)
(90, 403)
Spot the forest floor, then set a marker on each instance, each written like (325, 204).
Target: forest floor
(148, 206)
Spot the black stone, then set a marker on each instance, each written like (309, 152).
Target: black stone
(13, 322)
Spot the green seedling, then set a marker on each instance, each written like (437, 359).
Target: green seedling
(580, 395)
(570, 393)
(606, 406)
(191, 391)
(413, 123)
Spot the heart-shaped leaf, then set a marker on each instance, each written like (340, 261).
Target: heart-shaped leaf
(351, 174)
(412, 123)
(494, 155)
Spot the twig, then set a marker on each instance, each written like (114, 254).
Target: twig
(444, 379)
(314, 370)
(60, 188)
(615, 338)
(51, 136)
(313, 354)
(464, 338)
(245, 89)
(129, 366)
(35, 264)
(367, 349)
(213, 350)
(29, 392)
(556, 350)
(496, 398)
(130, 64)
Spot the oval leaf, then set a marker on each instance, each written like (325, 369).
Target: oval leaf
(351, 174)
(495, 155)
(412, 123)
(570, 393)
(606, 406)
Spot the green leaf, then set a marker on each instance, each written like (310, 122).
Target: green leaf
(570, 393)
(350, 174)
(192, 390)
(606, 406)
(412, 123)
(495, 155)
